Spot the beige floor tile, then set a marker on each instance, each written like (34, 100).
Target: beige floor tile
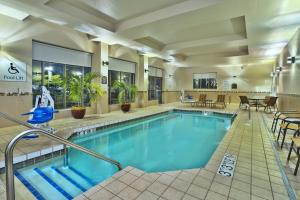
(172, 194)
(245, 187)
(136, 172)
(146, 195)
(166, 179)
(279, 196)
(129, 193)
(150, 177)
(206, 174)
(180, 185)
(140, 184)
(220, 188)
(128, 178)
(189, 197)
(242, 177)
(157, 188)
(261, 192)
(261, 183)
(223, 180)
(215, 196)
(197, 191)
(116, 198)
(101, 194)
(187, 177)
(239, 195)
(202, 182)
(115, 187)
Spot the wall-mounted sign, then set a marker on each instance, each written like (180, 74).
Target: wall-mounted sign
(12, 70)
(104, 80)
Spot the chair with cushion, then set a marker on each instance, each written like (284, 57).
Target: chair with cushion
(281, 115)
(287, 124)
(295, 145)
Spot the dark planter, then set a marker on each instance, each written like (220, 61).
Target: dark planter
(125, 107)
(78, 113)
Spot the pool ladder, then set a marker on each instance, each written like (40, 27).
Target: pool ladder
(9, 169)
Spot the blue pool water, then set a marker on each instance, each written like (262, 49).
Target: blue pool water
(171, 141)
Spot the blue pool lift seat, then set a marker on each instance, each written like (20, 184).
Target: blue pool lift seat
(41, 115)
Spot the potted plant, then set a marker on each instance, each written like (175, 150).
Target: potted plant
(127, 93)
(79, 86)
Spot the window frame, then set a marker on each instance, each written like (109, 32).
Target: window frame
(86, 103)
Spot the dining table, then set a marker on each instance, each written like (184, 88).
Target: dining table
(256, 101)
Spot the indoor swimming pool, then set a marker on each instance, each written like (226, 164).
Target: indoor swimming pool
(166, 142)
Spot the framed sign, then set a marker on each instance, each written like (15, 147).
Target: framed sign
(12, 70)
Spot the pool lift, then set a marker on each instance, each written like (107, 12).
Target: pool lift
(42, 113)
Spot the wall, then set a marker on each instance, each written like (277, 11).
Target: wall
(287, 81)
(18, 44)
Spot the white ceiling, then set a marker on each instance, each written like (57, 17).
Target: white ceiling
(198, 33)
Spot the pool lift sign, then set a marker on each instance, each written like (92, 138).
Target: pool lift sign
(227, 165)
(12, 70)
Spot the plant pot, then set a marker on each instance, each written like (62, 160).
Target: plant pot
(78, 112)
(125, 107)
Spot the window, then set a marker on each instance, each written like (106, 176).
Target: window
(205, 81)
(52, 75)
(155, 84)
(154, 88)
(120, 70)
(113, 76)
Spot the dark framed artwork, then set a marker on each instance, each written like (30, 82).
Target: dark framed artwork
(205, 81)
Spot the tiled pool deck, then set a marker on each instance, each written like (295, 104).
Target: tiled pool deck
(256, 176)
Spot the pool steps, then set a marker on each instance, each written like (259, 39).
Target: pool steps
(54, 182)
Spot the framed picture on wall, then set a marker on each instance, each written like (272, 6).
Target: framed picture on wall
(205, 81)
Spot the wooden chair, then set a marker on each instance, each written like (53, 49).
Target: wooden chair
(220, 100)
(202, 100)
(271, 103)
(267, 99)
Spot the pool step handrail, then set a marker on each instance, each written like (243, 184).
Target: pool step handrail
(10, 187)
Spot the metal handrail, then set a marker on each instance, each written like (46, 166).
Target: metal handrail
(10, 188)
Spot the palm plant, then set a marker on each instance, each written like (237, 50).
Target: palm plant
(78, 86)
(127, 92)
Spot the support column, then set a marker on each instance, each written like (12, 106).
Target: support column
(100, 55)
(142, 83)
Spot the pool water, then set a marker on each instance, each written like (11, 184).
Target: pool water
(166, 142)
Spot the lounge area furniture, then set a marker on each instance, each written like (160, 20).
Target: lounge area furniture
(202, 100)
(288, 124)
(220, 101)
(281, 115)
(257, 101)
(295, 146)
(271, 103)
